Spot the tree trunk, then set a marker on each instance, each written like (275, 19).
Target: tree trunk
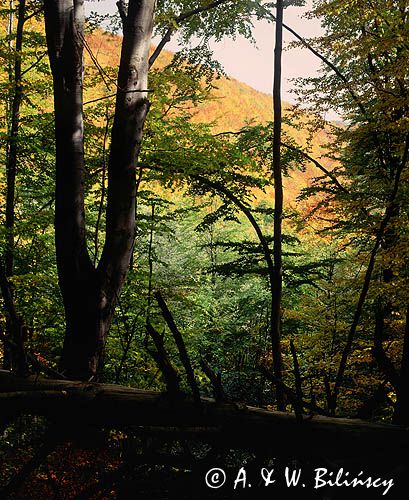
(90, 295)
(12, 360)
(390, 210)
(278, 209)
(228, 424)
(14, 341)
(401, 415)
(385, 364)
(12, 146)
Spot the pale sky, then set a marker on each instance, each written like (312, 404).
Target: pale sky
(254, 65)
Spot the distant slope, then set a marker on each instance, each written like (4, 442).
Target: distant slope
(235, 104)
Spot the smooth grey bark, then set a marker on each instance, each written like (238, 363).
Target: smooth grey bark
(90, 294)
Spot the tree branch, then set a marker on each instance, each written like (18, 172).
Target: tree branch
(182, 17)
(122, 11)
(389, 211)
(292, 397)
(215, 380)
(184, 356)
(162, 360)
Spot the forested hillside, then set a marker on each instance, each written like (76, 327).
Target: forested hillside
(230, 106)
(193, 273)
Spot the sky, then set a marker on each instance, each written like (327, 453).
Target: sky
(254, 64)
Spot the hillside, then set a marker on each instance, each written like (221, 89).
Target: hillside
(234, 104)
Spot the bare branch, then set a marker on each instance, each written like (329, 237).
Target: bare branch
(184, 356)
(162, 360)
(182, 17)
(215, 379)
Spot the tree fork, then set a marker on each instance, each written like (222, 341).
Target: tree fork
(90, 295)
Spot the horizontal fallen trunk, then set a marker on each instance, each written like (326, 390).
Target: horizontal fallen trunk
(229, 425)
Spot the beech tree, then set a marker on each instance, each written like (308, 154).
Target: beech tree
(90, 293)
(366, 82)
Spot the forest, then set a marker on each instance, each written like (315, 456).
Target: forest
(202, 286)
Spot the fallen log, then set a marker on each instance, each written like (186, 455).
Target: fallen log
(228, 425)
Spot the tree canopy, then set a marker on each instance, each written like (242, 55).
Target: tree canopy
(168, 229)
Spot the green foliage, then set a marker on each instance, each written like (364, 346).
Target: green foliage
(194, 241)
